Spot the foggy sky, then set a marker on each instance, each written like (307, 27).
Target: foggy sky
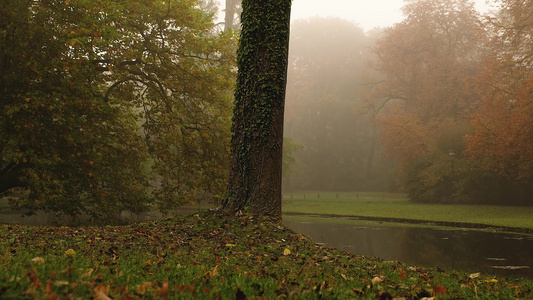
(366, 13)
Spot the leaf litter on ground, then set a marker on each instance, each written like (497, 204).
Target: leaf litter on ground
(212, 255)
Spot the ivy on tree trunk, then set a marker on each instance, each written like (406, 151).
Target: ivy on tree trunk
(257, 132)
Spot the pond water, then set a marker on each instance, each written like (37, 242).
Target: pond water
(469, 250)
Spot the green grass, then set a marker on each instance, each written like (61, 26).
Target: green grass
(387, 205)
(214, 256)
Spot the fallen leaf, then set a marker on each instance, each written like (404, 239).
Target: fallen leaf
(402, 274)
(214, 272)
(70, 252)
(99, 295)
(143, 287)
(35, 282)
(38, 260)
(377, 280)
(440, 290)
(49, 292)
(474, 275)
(164, 290)
(286, 252)
(100, 292)
(87, 273)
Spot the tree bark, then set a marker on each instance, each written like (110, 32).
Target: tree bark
(257, 131)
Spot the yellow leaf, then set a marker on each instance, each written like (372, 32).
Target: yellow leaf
(474, 275)
(230, 245)
(286, 252)
(70, 252)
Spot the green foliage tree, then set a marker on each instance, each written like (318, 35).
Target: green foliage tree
(257, 140)
(95, 96)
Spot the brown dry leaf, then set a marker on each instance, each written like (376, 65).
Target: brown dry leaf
(87, 273)
(164, 290)
(35, 283)
(377, 279)
(143, 287)
(100, 292)
(214, 272)
(49, 292)
(38, 260)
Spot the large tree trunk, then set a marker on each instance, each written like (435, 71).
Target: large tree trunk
(257, 141)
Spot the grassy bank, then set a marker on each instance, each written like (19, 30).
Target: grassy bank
(388, 205)
(210, 256)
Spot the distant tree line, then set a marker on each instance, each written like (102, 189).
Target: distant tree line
(441, 101)
(456, 99)
(325, 113)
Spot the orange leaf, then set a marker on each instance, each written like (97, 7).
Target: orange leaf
(164, 290)
(49, 292)
(100, 292)
(440, 290)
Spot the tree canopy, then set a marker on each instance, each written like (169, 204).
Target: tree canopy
(458, 82)
(108, 106)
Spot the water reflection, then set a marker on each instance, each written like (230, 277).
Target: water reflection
(470, 250)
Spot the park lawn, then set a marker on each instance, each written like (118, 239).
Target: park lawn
(213, 256)
(394, 205)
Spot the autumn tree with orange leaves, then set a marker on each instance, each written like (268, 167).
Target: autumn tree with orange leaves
(502, 138)
(430, 62)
